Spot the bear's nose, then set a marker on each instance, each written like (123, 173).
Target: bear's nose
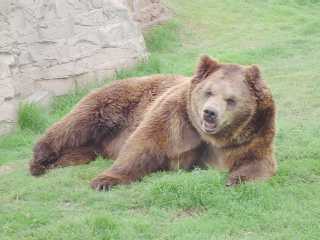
(210, 115)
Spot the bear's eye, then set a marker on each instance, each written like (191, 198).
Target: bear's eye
(209, 93)
(231, 102)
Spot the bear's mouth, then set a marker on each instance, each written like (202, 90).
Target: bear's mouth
(209, 127)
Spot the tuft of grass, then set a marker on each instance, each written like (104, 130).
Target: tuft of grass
(105, 227)
(152, 66)
(32, 117)
(63, 104)
(163, 39)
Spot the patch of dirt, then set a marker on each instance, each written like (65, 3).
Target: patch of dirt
(190, 212)
(138, 211)
(4, 169)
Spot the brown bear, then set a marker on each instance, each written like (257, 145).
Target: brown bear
(223, 116)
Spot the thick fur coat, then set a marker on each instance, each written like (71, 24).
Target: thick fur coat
(222, 116)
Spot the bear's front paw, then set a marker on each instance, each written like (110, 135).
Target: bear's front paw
(235, 180)
(104, 183)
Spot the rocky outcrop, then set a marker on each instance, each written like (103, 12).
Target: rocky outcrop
(148, 12)
(48, 47)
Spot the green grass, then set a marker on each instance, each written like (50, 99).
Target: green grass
(283, 37)
(31, 117)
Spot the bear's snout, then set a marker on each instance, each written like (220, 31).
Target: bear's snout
(210, 115)
(210, 120)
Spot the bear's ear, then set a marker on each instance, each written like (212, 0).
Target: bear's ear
(206, 66)
(253, 73)
(255, 82)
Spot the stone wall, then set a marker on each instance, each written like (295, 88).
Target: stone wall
(148, 12)
(48, 47)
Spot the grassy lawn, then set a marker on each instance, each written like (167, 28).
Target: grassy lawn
(283, 37)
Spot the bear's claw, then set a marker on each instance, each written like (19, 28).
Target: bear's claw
(234, 181)
(104, 183)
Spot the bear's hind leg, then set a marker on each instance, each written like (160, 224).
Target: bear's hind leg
(69, 157)
(97, 117)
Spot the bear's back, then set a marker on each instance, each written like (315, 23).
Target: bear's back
(139, 93)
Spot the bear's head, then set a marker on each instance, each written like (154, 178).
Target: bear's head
(224, 98)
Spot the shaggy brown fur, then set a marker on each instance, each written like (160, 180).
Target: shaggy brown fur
(159, 122)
